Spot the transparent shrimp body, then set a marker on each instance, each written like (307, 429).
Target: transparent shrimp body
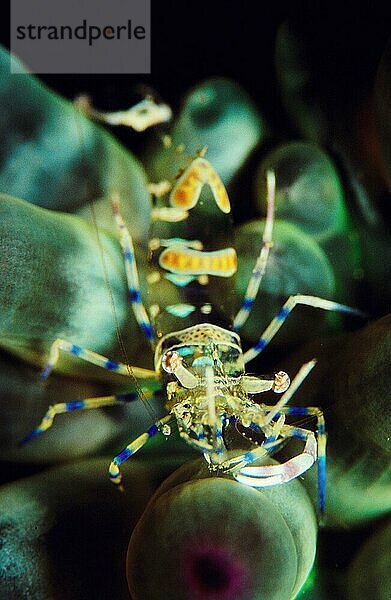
(192, 260)
(189, 319)
(192, 265)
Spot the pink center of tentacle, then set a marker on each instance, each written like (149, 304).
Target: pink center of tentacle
(211, 572)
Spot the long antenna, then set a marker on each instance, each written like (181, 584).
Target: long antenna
(119, 335)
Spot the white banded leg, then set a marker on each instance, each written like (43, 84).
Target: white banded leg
(131, 272)
(268, 475)
(74, 405)
(260, 265)
(322, 440)
(285, 311)
(95, 359)
(271, 429)
(279, 473)
(234, 464)
(133, 447)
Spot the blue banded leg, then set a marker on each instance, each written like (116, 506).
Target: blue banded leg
(269, 445)
(235, 463)
(252, 427)
(131, 273)
(215, 453)
(322, 440)
(260, 265)
(268, 475)
(65, 407)
(285, 311)
(219, 451)
(95, 359)
(300, 376)
(279, 410)
(264, 419)
(133, 447)
(275, 474)
(276, 432)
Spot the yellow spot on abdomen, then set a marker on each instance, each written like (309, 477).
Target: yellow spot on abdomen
(186, 261)
(182, 197)
(187, 190)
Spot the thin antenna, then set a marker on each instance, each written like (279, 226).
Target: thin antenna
(119, 335)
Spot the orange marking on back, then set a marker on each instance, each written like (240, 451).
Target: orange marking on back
(181, 196)
(187, 190)
(174, 259)
(185, 261)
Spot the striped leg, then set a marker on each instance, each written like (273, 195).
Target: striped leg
(279, 474)
(96, 359)
(87, 403)
(132, 448)
(215, 453)
(264, 421)
(236, 463)
(302, 373)
(260, 265)
(131, 273)
(268, 475)
(322, 440)
(219, 451)
(285, 311)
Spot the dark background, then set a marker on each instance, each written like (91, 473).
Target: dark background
(191, 41)
(342, 46)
